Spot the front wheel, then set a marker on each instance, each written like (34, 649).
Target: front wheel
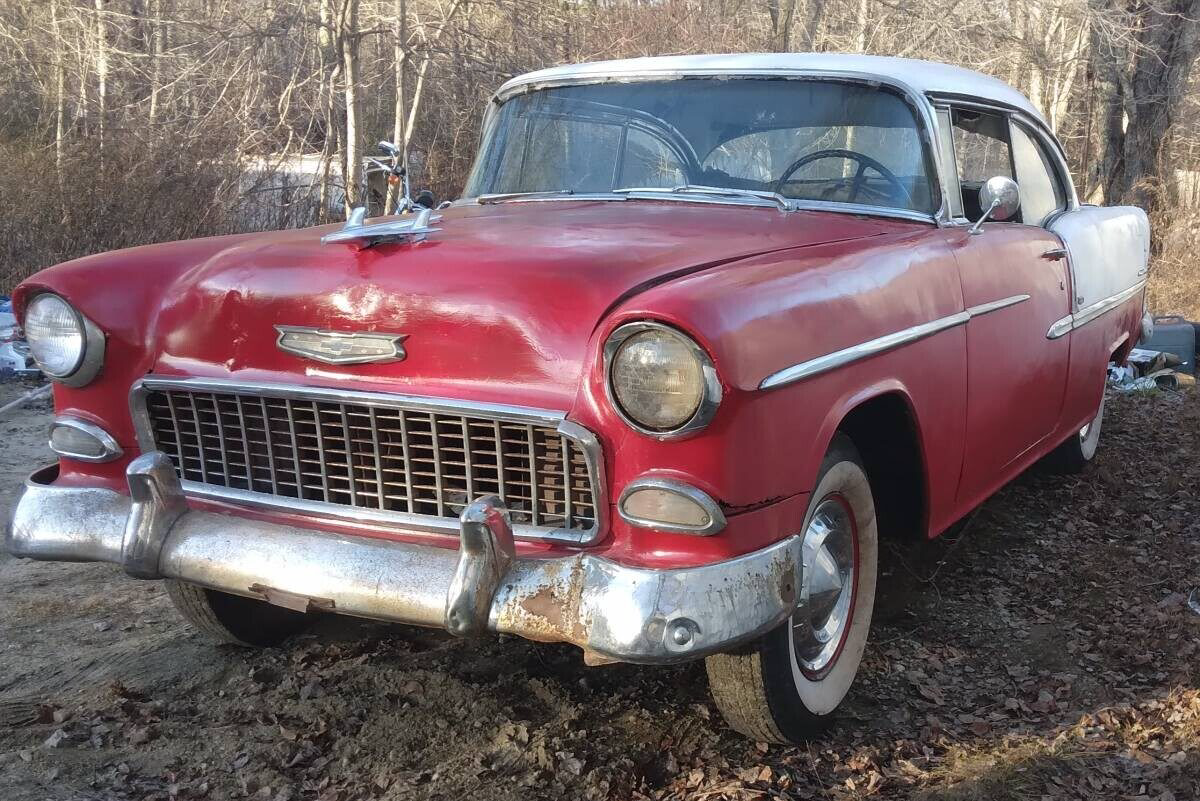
(226, 618)
(786, 686)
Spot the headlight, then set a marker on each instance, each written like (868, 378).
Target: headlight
(66, 346)
(659, 380)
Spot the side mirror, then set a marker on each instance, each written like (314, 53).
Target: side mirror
(425, 198)
(1000, 198)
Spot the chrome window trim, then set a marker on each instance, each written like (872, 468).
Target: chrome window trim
(1064, 325)
(357, 515)
(716, 518)
(1037, 127)
(709, 401)
(883, 344)
(793, 204)
(111, 449)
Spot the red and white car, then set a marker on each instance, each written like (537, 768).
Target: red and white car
(700, 332)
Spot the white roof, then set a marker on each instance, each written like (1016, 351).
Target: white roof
(924, 77)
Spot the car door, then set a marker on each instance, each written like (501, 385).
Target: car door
(1015, 286)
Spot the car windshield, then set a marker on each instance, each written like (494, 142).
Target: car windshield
(812, 140)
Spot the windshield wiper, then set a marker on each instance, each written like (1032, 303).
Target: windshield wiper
(709, 191)
(500, 197)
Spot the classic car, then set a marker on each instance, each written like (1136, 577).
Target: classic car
(700, 332)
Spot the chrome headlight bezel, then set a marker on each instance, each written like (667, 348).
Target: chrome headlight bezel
(710, 397)
(91, 356)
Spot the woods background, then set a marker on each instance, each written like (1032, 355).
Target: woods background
(124, 122)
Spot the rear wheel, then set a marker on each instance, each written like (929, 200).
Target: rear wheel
(1074, 455)
(228, 618)
(786, 686)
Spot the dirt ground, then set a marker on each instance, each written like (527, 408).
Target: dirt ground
(1046, 651)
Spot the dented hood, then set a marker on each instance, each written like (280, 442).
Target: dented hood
(500, 303)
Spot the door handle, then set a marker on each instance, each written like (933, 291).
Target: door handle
(1055, 254)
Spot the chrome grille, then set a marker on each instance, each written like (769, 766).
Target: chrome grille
(371, 456)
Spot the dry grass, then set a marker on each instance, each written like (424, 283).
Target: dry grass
(1174, 286)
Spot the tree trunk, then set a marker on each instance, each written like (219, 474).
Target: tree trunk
(353, 146)
(101, 56)
(400, 65)
(1141, 90)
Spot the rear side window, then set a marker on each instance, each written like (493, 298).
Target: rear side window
(1041, 191)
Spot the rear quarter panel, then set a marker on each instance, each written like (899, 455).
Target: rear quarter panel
(1109, 251)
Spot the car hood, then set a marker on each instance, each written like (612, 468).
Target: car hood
(499, 304)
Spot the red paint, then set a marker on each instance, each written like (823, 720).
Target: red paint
(511, 303)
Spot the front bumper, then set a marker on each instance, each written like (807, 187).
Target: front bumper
(613, 612)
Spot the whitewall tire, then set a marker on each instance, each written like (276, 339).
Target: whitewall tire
(786, 686)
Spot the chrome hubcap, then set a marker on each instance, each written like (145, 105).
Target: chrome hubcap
(820, 623)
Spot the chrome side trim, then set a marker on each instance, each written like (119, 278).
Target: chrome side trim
(996, 305)
(111, 449)
(1061, 327)
(1089, 313)
(854, 353)
(716, 518)
(882, 344)
(712, 384)
(360, 516)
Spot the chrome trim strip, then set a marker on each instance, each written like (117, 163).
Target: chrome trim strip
(1061, 327)
(358, 515)
(111, 449)
(996, 305)
(712, 384)
(1089, 313)
(793, 204)
(716, 518)
(854, 353)
(871, 347)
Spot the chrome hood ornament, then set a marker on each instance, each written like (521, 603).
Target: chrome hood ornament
(341, 347)
(412, 228)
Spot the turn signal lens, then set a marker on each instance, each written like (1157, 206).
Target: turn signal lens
(77, 439)
(664, 503)
(661, 506)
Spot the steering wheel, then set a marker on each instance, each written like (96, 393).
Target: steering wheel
(857, 183)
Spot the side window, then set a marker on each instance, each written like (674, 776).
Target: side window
(1041, 192)
(982, 151)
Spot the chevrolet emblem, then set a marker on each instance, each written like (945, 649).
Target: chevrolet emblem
(341, 347)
